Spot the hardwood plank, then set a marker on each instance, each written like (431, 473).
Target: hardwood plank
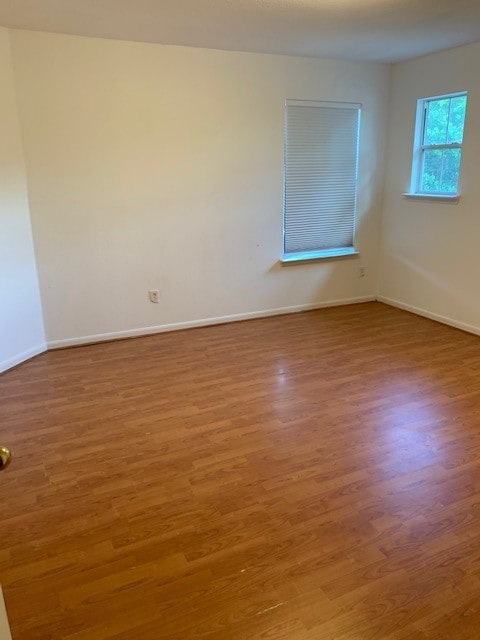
(298, 477)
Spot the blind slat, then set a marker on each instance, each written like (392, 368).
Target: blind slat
(321, 150)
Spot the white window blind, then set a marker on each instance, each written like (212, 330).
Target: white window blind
(321, 158)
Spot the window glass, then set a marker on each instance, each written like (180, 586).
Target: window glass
(438, 151)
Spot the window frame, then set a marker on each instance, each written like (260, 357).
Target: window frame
(419, 148)
(325, 253)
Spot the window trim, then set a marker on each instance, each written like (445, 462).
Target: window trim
(418, 153)
(323, 254)
(432, 197)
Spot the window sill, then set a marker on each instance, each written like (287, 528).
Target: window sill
(432, 198)
(327, 254)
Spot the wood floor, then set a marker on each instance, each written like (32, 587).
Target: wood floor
(313, 476)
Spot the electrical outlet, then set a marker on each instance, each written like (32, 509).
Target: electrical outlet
(154, 296)
(361, 271)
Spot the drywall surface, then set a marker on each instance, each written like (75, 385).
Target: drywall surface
(4, 626)
(21, 325)
(161, 167)
(430, 251)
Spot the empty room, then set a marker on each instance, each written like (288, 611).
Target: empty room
(239, 320)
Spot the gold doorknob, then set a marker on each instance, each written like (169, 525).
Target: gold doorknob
(5, 458)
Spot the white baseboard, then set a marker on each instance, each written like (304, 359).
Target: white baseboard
(470, 328)
(145, 331)
(4, 627)
(19, 358)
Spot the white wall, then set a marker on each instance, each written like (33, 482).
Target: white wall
(4, 626)
(430, 251)
(21, 325)
(161, 167)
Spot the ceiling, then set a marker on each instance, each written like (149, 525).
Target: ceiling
(374, 30)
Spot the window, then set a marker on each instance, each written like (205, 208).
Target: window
(321, 159)
(438, 142)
